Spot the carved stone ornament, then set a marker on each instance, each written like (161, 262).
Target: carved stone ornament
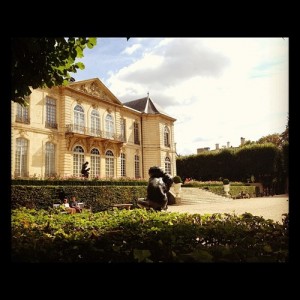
(51, 137)
(22, 132)
(93, 89)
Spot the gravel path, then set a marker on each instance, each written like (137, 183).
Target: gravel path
(267, 207)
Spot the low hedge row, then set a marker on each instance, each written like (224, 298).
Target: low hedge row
(234, 190)
(37, 182)
(146, 236)
(201, 184)
(98, 197)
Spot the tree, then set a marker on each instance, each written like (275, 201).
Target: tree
(44, 62)
(285, 135)
(271, 138)
(247, 143)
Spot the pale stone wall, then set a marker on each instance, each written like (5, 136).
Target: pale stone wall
(151, 150)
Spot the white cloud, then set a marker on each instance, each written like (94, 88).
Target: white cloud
(130, 50)
(218, 89)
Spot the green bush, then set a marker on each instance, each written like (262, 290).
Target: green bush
(225, 181)
(146, 236)
(177, 179)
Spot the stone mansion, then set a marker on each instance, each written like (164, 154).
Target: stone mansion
(65, 126)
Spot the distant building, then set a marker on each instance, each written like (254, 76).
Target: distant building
(201, 150)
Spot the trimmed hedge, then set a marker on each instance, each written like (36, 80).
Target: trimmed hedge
(234, 190)
(146, 236)
(97, 197)
(259, 160)
(37, 182)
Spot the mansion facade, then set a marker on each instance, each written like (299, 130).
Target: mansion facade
(65, 126)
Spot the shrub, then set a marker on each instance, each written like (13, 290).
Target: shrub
(146, 236)
(225, 181)
(177, 179)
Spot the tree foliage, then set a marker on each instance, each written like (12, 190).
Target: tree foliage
(285, 135)
(274, 138)
(248, 142)
(44, 62)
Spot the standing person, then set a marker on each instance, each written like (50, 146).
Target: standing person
(158, 186)
(85, 170)
(74, 204)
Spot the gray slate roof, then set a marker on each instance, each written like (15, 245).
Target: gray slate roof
(145, 105)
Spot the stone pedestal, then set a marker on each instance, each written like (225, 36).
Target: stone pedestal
(177, 200)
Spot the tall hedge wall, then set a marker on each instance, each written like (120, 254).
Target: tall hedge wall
(236, 164)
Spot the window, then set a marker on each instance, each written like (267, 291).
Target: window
(51, 113)
(78, 119)
(50, 160)
(21, 157)
(109, 126)
(123, 164)
(23, 113)
(137, 166)
(167, 165)
(95, 163)
(136, 133)
(95, 123)
(78, 160)
(166, 137)
(123, 129)
(109, 164)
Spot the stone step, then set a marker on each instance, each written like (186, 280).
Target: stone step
(196, 196)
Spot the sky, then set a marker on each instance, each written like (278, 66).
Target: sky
(217, 89)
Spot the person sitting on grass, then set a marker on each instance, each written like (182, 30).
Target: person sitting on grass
(74, 204)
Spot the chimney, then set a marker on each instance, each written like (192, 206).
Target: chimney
(228, 144)
(242, 141)
(217, 146)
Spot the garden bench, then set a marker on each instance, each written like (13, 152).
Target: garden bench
(57, 205)
(123, 206)
(80, 204)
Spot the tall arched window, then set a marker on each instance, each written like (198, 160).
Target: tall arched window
(109, 126)
(21, 166)
(95, 123)
(95, 163)
(137, 166)
(168, 165)
(78, 160)
(50, 160)
(109, 164)
(78, 119)
(166, 137)
(123, 164)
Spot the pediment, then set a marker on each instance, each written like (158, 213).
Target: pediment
(95, 87)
